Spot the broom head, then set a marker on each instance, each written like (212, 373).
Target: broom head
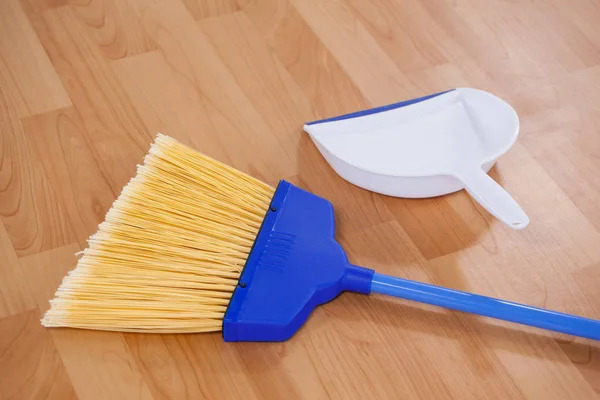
(193, 245)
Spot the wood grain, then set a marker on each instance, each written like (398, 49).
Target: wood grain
(59, 139)
(20, 50)
(265, 82)
(30, 210)
(367, 64)
(86, 84)
(327, 86)
(210, 8)
(39, 372)
(15, 294)
(114, 26)
(32, 7)
(116, 134)
(205, 91)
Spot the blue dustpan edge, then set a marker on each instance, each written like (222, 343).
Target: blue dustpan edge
(378, 109)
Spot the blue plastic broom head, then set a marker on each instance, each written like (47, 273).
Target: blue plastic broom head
(294, 266)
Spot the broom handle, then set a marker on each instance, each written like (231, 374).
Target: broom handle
(487, 306)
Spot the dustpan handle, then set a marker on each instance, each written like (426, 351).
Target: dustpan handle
(486, 306)
(493, 197)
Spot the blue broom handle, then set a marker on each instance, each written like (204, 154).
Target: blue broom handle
(487, 306)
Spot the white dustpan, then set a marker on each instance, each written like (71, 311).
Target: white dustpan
(426, 147)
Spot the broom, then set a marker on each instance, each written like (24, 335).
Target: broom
(193, 245)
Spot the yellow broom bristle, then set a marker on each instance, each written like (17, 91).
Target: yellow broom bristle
(170, 251)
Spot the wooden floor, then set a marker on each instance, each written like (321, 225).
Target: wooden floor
(85, 86)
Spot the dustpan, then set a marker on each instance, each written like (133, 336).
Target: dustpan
(426, 147)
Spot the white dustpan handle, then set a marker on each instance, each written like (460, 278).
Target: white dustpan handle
(493, 197)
